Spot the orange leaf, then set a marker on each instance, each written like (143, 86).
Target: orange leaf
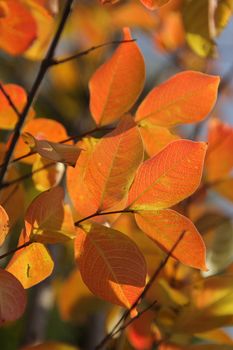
(8, 117)
(12, 297)
(110, 263)
(220, 139)
(155, 138)
(116, 85)
(165, 227)
(47, 220)
(17, 27)
(112, 166)
(153, 4)
(41, 129)
(170, 176)
(31, 265)
(45, 23)
(177, 100)
(75, 178)
(4, 222)
(57, 152)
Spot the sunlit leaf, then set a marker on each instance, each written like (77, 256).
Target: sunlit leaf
(17, 27)
(107, 255)
(177, 100)
(48, 220)
(77, 189)
(116, 85)
(165, 227)
(155, 138)
(12, 298)
(170, 176)
(31, 265)
(43, 13)
(112, 166)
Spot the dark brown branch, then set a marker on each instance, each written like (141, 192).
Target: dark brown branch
(126, 324)
(141, 296)
(102, 214)
(11, 103)
(57, 61)
(45, 64)
(10, 252)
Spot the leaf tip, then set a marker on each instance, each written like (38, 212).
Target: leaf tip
(127, 33)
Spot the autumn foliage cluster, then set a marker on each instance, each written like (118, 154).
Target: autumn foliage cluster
(125, 196)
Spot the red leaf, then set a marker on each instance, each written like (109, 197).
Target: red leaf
(12, 297)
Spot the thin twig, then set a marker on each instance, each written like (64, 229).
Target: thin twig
(126, 324)
(102, 214)
(57, 61)
(141, 296)
(10, 101)
(10, 252)
(26, 176)
(45, 64)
